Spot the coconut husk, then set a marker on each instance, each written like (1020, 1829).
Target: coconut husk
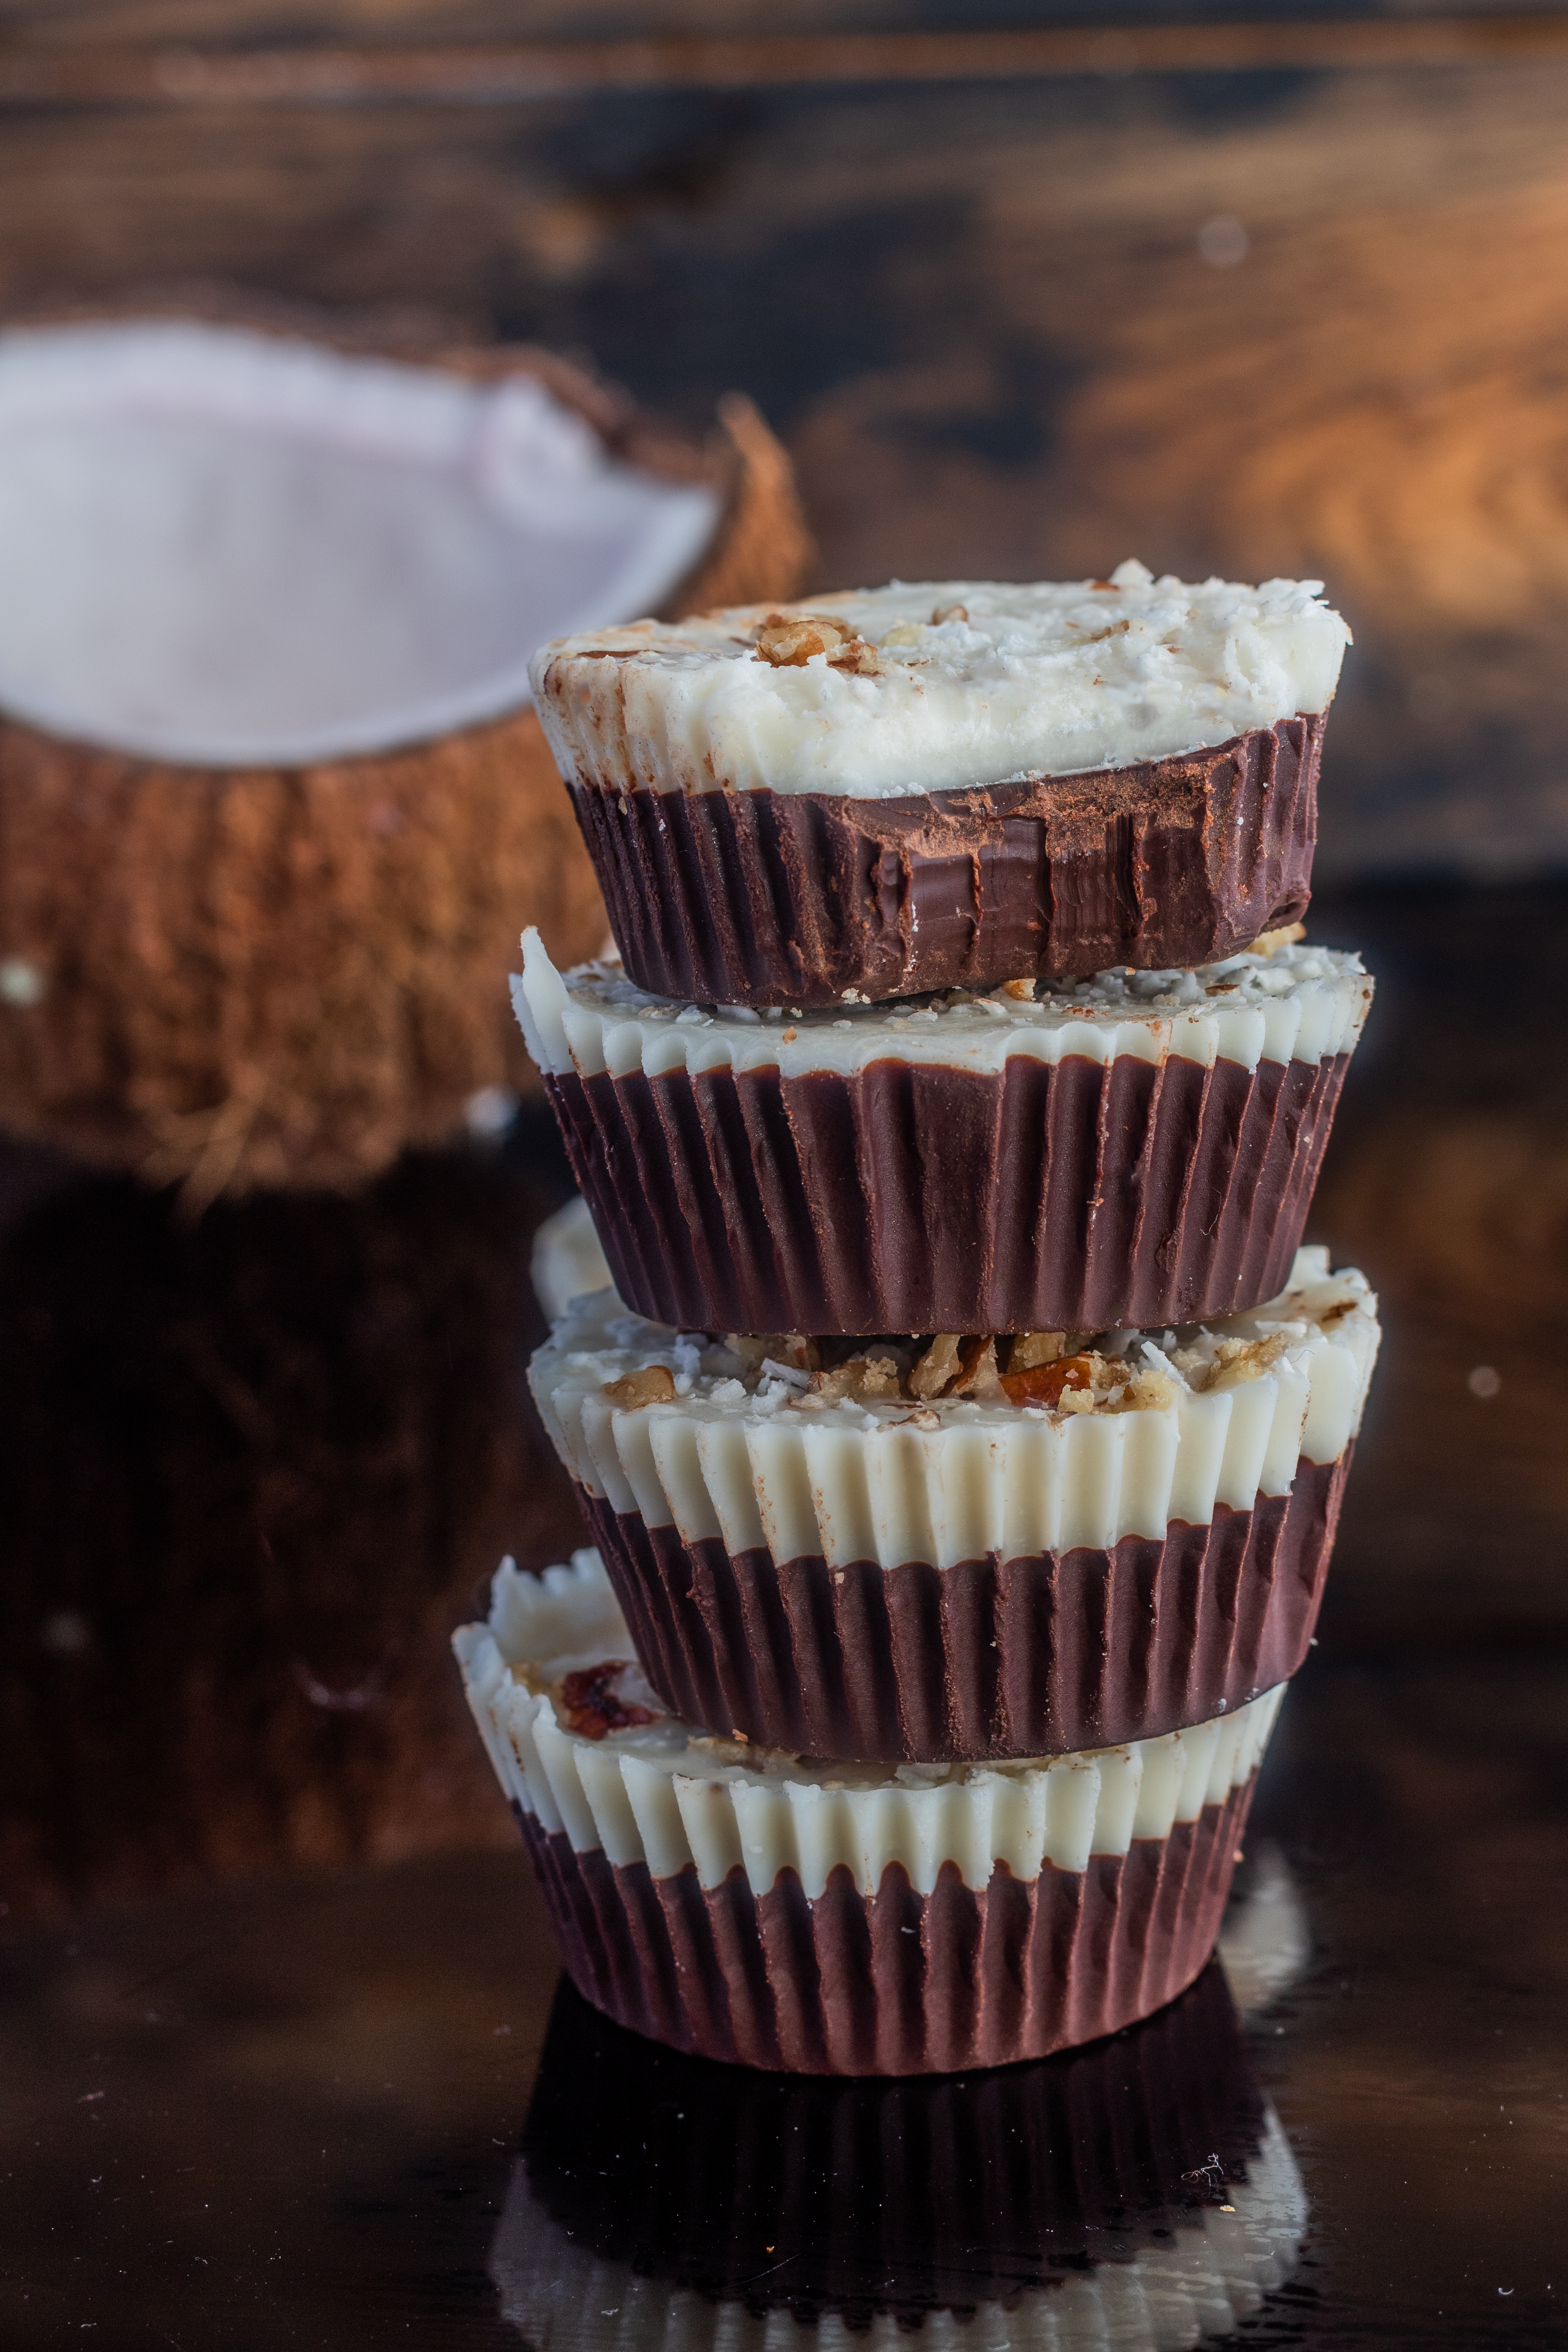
(227, 976)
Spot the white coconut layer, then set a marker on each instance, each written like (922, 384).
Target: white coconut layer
(1203, 2282)
(230, 548)
(1300, 1003)
(568, 1261)
(952, 1480)
(663, 1794)
(966, 682)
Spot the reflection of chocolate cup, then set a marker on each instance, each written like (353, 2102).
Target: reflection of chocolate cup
(718, 2196)
(967, 1582)
(843, 1919)
(989, 1658)
(1102, 1161)
(769, 897)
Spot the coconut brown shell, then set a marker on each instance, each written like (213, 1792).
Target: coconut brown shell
(283, 976)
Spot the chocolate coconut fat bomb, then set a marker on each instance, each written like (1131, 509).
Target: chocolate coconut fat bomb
(951, 785)
(1136, 1148)
(752, 1905)
(964, 1548)
(965, 1444)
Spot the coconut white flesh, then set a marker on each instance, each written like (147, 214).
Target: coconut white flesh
(961, 682)
(1203, 2281)
(759, 1462)
(1301, 1003)
(659, 1792)
(231, 549)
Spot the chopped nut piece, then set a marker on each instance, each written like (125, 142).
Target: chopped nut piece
(948, 613)
(906, 633)
(1286, 936)
(978, 1378)
(857, 656)
(590, 1708)
(1151, 1390)
(1046, 1383)
(789, 640)
(863, 1380)
(1032, 1347)
(939, 1365)
(655, 1384)
(1239, 1360)
(1024, 989)
(1060, 1372)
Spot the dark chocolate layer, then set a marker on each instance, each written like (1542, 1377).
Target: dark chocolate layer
(764, 898)
(988, 1659)
(783, 2192)
(897, 1982)
(1079, 1195)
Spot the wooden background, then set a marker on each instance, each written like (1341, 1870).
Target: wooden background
(977, 307)
(253, 1470)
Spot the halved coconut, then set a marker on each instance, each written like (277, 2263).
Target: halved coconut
(274, 805)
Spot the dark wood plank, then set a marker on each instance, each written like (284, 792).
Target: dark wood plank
(982, 315)
(480, 73)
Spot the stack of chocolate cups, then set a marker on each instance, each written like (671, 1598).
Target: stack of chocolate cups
(964, 1437)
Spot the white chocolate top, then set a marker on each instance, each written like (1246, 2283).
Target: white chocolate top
(661, 1794)
(1302, 1003)
(1043, 679)
(761, 1462)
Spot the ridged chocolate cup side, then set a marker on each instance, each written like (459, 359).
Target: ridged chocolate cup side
(897, 1982)
(986, 1660)
(911, 1196)
(764, 898)
(886, 2197)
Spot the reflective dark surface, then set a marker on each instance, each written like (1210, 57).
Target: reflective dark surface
(273, 1982)
(291, 2110)
(1146, 2167)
